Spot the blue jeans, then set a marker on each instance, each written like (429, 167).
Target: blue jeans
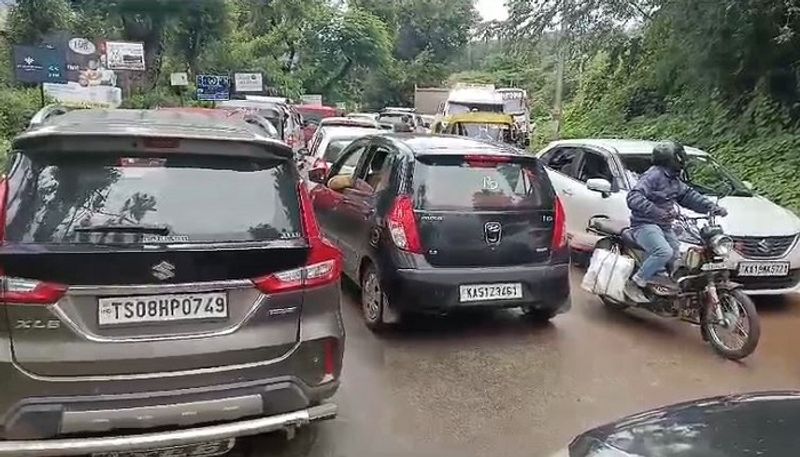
(661, 247)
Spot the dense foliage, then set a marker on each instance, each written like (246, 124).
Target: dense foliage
(363, 52)
(723, 75)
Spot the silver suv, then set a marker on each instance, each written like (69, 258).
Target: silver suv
(164, 284)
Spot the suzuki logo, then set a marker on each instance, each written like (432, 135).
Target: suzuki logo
(493, 232)
(163, 270)
(764, 246)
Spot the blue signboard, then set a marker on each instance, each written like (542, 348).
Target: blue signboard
(39, 64)
(213, 88)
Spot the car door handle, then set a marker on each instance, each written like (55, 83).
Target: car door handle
(567, 192)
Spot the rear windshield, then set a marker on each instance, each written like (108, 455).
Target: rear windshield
(459, 182)
(97, 198)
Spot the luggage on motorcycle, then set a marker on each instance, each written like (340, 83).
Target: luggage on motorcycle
(607, 274)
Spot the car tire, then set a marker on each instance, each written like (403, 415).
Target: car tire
(538, 315)
(373, 299)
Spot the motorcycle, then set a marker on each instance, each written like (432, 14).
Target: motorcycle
(707, 297)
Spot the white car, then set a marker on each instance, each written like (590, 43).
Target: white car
(592, 178)
(328, 143)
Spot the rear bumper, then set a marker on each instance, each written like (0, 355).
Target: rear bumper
(432, 289)
(82, 446)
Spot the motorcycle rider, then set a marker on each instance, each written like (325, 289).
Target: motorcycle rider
(652, 203)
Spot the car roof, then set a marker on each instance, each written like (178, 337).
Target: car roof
(424, 143)
(59, 121)
(621, 146)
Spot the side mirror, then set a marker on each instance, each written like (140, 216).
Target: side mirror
(748, 184)
(599, 185)
(318, 174)
(340, 183)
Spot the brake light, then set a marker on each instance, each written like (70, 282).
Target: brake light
(324, 264)
(559, 227)
(403, 225)
(28, 291)
(485, 161)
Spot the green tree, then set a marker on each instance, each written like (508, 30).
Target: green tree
(201, 23)
(30, 20)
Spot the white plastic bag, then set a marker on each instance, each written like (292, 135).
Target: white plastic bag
(607, 274)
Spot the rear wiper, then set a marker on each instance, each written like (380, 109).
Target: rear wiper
(115, 228)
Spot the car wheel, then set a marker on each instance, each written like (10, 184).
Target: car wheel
(538, 314)
(373, 299)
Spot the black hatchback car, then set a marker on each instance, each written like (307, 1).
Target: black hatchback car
(437, 223)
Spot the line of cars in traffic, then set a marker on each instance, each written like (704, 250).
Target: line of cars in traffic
(172, 276)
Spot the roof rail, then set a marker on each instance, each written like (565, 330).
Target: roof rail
(46, 113)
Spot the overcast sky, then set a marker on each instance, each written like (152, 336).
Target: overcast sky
(491, 10)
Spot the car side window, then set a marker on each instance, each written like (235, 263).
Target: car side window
(563, 160)
(348, 162)
(594, 165)
(375, 171)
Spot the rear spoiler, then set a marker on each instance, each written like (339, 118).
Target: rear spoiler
(79, 143)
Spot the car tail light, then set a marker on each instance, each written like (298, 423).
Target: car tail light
(324, 264)
(485, 161)
(559, 227)
(403, 226)
(28, 291)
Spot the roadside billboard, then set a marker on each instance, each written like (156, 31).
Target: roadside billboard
(248, 82)
(89, 80)
(213, 88)
(125, 55)
(39, 64)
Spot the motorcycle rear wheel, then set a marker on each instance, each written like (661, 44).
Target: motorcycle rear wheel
(740, 313)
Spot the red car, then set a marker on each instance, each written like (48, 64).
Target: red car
(313, 114)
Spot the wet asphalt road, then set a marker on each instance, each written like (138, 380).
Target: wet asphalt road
(494, 384)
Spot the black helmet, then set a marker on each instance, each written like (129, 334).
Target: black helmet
(670, 155)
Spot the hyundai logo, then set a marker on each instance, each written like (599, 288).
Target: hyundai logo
(163, 270)
(493, 232)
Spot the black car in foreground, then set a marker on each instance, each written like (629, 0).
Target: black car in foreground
(437, 223)
(759, 424)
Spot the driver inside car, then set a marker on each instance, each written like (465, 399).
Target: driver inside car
(653, 208)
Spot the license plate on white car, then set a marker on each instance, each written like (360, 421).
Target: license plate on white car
(209, 449)
(487, 292)
(763, 269)
(162, 308)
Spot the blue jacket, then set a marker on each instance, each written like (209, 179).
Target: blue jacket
(656, 192)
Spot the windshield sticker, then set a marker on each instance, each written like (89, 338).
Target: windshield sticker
(490, 184)
(162, 239)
